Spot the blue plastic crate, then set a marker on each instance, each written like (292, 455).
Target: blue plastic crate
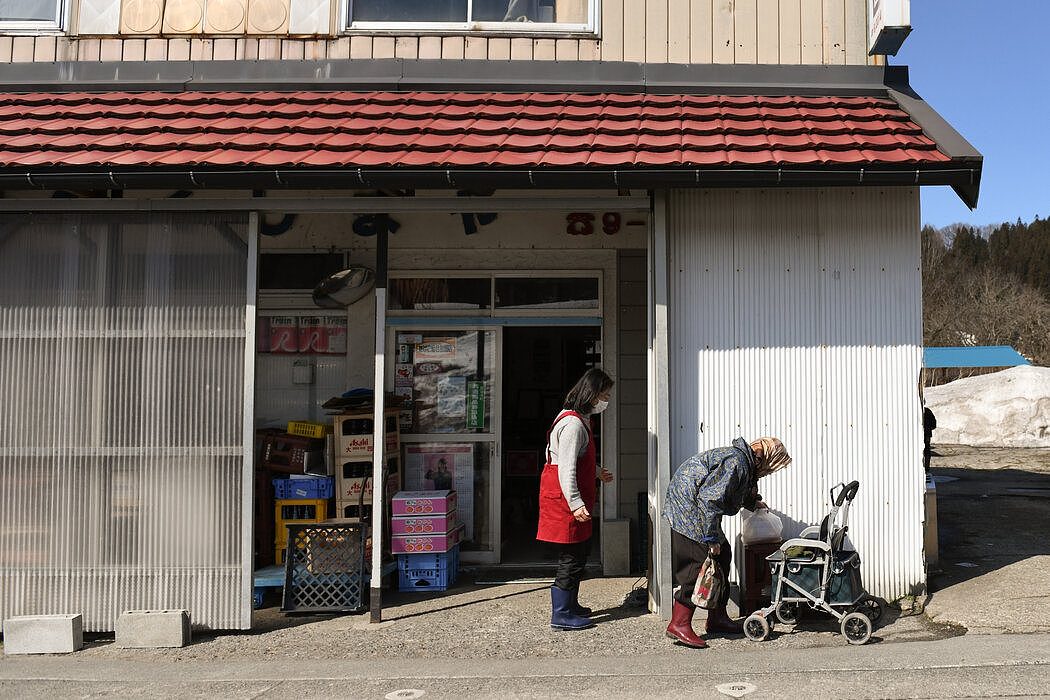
(314, 487)
(427, 572)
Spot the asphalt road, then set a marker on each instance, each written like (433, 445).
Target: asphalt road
(967, 666)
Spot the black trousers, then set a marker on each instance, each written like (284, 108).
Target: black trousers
(572, 560)
(689, 556)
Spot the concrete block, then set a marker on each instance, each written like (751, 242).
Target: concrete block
(151, 629)
(43, 634)
(616, 547)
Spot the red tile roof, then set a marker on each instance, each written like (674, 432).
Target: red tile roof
(454, 129)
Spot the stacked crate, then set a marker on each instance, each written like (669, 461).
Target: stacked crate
(353, 438)
(426, 535)
(298, 501)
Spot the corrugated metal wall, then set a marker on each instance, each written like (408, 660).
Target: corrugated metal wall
(121, 432)
(797, 313)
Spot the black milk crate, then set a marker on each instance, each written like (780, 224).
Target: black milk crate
(324, 568)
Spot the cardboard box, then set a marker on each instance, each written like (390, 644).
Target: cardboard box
(424, 503)
(420, 544)
(424, 524)
(349, 490)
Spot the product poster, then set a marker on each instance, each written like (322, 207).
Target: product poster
(475, 404)
(452, 399)
(435, 350)
(437, 466)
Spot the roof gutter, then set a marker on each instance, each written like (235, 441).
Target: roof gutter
(484, 179)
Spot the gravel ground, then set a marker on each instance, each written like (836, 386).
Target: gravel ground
(498, 622)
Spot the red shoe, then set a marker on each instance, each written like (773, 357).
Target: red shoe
(681, 629)
(718, 621)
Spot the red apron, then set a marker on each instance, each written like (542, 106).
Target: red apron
(556, 522)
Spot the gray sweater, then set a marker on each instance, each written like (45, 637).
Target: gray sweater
(568, 442)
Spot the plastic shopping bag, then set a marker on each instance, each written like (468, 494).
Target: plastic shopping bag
(761, 526)
(709, 585)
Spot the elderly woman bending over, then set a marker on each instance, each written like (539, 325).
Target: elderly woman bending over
(703, 489)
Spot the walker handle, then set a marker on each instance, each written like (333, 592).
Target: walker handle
(848, 493)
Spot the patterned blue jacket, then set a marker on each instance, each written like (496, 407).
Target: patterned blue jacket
(709, 485)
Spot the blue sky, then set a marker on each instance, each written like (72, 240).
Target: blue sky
(984, 66)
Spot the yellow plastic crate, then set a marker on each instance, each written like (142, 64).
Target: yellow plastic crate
(310, 429)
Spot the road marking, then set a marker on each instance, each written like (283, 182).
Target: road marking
(405, 694)
(736, 690)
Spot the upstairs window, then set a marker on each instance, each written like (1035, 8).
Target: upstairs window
(519, 16)
(31, 14)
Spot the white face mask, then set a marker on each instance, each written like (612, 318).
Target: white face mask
(600, 406)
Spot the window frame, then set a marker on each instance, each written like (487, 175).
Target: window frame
(589, 29)
(56, 26)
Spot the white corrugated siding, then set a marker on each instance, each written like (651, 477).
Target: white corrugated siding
(121, 436)
(796, 313)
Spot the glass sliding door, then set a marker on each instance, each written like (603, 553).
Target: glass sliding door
(447, 379)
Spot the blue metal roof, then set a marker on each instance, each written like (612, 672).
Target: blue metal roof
(986, 356)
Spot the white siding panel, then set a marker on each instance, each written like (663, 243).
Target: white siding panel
(121, 437)
(796, 313)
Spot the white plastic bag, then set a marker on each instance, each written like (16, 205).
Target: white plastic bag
(761, 526)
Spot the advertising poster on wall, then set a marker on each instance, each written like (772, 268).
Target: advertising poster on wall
(438, 466)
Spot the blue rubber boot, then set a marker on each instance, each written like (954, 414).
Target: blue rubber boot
(562, 617)
(575, 607)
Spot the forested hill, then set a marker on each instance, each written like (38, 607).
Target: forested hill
(988, 286)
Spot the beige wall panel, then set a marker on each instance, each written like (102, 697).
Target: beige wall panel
(406, 47)
(183, 16)
(111, 50)
(856, 32)
(834, 32)
(383, 47)
(590, 50)
(5, 48)
(269, 49)
(768, 31)
(700, 30)
(66, 49)
(430, 47)
(656, 31)
(339, 50)
(44, 49)
(316, 50)
(612, 30)
(225, 16)
(745, 31)
(567, 50)
(310, 17)
(361, 47)
(225, 50)
(98, 17)
(268, 16)
(292, 50)
(178, 49)
(678, 31)
(571, 11)
(790, 31)
(812, 32)
(134, 50)
(499, 49)
(141, 16)
(543, 49)
(723, 21)
(87, 50)
(634, 30)
(156, 49)
(476, 47)
(453, 47)
(521, 49)
(201, 49)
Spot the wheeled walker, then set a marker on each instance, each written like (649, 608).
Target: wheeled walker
(815, 570)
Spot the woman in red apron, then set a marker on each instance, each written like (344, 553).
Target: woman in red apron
(568, 493)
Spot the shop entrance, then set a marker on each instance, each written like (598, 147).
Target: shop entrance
(540, 364)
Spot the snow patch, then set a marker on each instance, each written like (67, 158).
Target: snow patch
(1010, 408)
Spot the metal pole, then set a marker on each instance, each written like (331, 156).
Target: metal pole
(379, 428)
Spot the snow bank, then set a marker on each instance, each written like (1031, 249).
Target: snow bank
(1003, 409)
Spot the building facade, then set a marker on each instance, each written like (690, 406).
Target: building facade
(716, 201)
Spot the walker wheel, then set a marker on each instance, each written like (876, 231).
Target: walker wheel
(789, 613)
(756, 628)
(856, 628)
(872, 608)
